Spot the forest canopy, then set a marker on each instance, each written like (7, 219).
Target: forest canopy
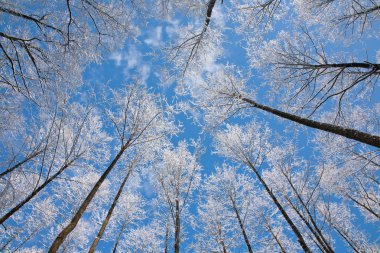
(190, 126)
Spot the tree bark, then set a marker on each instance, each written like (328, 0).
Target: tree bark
(109, 214)
(166, 237)
(221, 238)
(276, 238)
(26, 159)
(119, 235)
(364, 65)
(315, 230)
(177, 227)
(281, 209)
(34, 193)
(70, 227)
(353, 134)
(210, 7)
(241, 225)
(322, 245)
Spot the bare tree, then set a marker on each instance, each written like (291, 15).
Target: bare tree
(308, 78)
(235, 193)
(113, 205)
(177, 175)
(65, 144)
(137, 120)
(43, 44)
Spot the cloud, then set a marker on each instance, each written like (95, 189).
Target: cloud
(133, 57)
(117, 57)
(172, 28)
(155, 37)
(144, 71)
(133, 63)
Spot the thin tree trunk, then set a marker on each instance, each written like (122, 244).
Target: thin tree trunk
(364, 206)
(26, 159)
(241, 225)
(319, 242)
(313, 226)
(220, 239)
(119, 235)
(34, 193)
(222, 242)
(281, 209)
(275, 237)
(166, 237)
(177, 227)
(353, 134)
(109, 214)
(347, 239)
(70, 227)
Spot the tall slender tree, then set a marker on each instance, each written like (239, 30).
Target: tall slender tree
(137, 119)
(177, 176)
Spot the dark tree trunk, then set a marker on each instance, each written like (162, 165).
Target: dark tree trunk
(210, 7)
(241, 225)
(281, 209)
(119, 235)
(109, 214)
(166, 237)
(224, 248)
(276, 239)
(34, 193)
(70, 227)
(366, 138)
(177, 227)
(315, 230)
(26, 159)
(364, 65)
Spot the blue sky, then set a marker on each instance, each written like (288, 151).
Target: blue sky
(144, 59)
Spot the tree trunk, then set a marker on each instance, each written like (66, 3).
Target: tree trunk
(349, 241)
(119, 235)
(370, 210)
(315, 230)
(276, 238)
(26, 159)
(210, 7)
(109, 214)
(166, 237)
(241, 225)
(366, 138)
(223, 246)
(34, 193)
(220, 239)
(177, 227)
(281, 209)
(319, 242)
(70, 227)
(364, 65)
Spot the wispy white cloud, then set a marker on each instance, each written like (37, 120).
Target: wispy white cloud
(117, 57)
(144, 72)
(133, 63)
(155, 37)
(172, 28)
(133, 57)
